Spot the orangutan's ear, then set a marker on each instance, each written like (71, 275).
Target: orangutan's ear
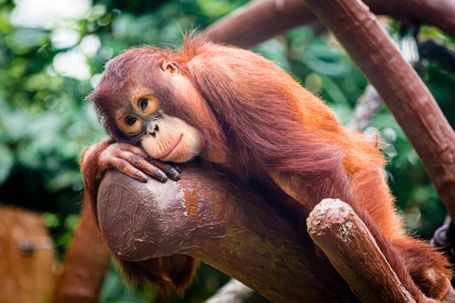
(169, 67)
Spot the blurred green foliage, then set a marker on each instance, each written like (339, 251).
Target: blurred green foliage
(45, 122)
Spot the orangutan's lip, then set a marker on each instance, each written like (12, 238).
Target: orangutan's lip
(172, 149)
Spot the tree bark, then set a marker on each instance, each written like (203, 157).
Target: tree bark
(261, 20)
(238, 233)
(85, 265)
(346, 241)
(231, 229)
(399, 86)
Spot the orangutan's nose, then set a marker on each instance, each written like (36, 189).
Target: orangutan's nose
(152, 129)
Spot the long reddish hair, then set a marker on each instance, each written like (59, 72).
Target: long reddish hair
(264, 122)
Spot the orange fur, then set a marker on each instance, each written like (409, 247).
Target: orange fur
(265, 126)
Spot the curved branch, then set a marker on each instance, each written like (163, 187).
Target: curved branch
(439, 13)
(258, 21)
(261, 20)
(400, 87)
(213, 220)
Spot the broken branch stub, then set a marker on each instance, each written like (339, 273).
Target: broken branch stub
(346, 241)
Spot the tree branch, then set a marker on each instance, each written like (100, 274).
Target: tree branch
(221, 224)
(245, 237)
(439, 13)
(346, 241)
(258, 21)
(261, 20)
(399, 86)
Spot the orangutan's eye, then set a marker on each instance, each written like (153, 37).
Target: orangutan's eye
(147, 105)
(131, 121)
(143, 103)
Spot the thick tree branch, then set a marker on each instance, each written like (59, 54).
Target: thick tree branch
(258, 21)
(261, 20)
(439, 13)
(346, 241)
(243, 236)
(213, 220)
(399, 86)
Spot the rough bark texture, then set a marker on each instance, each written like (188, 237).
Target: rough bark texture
(233, 230)
(209, 218)
(27, 258)
(403, 92)
(347, 242)
(262, 19)
(85, 265)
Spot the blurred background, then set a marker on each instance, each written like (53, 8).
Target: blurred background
(51, 57)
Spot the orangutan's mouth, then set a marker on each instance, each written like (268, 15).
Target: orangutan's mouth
(172, 149)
